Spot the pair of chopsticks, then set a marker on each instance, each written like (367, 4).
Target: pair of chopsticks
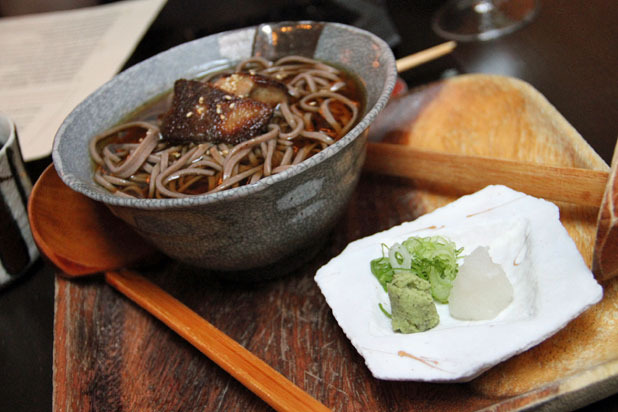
(579, 186)
(470, 173)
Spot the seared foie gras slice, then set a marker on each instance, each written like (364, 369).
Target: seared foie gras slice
(255, 86)
(203, 113)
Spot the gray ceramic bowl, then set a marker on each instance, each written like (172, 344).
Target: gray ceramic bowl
(274, 220)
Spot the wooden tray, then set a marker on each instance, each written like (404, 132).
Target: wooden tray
(111, 355)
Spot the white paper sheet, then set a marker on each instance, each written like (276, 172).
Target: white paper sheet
(50, 62)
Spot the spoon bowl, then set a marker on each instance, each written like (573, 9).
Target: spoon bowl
(80, 236)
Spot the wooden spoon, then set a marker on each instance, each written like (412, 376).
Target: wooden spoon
(82, 237)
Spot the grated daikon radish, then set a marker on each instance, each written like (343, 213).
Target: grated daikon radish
(481, 290)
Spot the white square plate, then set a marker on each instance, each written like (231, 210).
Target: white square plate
(551, 284)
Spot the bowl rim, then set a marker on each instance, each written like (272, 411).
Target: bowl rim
(78, 185)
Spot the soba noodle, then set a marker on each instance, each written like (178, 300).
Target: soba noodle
(133, 160)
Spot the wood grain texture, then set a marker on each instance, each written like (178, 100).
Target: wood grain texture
(111, 355)
(232, 357)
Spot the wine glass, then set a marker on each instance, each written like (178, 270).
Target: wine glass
(468, 20)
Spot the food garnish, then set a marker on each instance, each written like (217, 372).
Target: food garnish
(430, 259)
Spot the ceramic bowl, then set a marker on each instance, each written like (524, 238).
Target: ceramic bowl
(274, 220)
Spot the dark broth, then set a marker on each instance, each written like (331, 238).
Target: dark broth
(154, 109)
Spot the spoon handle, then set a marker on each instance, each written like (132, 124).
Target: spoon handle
(470, 173)
(252, 372)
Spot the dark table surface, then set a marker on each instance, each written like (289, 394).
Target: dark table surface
(569, 52)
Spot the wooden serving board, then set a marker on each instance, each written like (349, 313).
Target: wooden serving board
(111, 355)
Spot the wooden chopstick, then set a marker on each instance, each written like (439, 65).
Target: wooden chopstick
(416, 59)
(471, 173)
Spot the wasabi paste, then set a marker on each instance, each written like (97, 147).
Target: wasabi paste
(412, 306)
(414, 274)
